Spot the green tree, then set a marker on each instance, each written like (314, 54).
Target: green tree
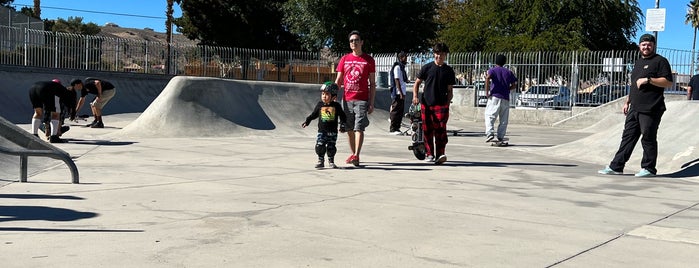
(28, 11)
(505, 25)
(388, 26)
(249, 24)
(7, 3)
(75, 25)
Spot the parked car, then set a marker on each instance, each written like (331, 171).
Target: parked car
(479, 88)
(601, 94)
(545, 96)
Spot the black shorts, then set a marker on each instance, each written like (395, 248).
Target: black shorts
(43, 98)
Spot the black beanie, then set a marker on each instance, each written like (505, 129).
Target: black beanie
(75, 82)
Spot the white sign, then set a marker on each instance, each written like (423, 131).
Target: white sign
(613, 65)
(655, 20)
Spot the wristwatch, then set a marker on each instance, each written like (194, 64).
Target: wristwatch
(648, 80)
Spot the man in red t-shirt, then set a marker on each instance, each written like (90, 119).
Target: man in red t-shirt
(356, 74)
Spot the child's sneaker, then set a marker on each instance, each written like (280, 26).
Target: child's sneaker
(332, 165)
(609, 171)
(644, 173)
(320, 164)
(349, 159)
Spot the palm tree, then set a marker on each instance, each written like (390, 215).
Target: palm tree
(168, 31)
(693, 19)
(37, 8)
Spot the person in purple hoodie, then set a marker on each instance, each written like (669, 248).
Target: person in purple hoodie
(499, 81)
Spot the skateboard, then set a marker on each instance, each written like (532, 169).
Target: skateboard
(417, 136)
(502, 143)
(454, 132)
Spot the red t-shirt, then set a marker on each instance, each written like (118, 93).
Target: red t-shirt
(356, 70)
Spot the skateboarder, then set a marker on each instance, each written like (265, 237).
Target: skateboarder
(45, 97)
(439, 79)
(103, 91)
(499, 81)
(330, 116)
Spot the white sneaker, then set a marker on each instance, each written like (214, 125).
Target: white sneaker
(490, 137)
(429, 158)
(396, 133)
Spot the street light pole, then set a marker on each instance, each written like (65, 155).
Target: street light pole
(657, 5)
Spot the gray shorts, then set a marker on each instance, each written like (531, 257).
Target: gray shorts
(356, 112)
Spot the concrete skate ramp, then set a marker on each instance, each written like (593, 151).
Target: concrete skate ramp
(209, 107)
(678, 141)
(134, 91)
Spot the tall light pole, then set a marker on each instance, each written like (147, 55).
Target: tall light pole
(657, 5)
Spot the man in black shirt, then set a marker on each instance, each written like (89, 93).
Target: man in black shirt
(644, 107)
(103, 91)
(693, 88)
(439, 79)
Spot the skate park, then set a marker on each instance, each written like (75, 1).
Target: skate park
(208, 172)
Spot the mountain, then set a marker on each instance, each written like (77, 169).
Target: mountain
(111, 30)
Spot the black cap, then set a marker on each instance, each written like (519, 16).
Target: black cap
(646, 38)
(75, 82)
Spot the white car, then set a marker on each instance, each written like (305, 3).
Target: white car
(545, 96)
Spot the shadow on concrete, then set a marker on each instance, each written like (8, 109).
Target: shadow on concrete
(415, 165)
(99, 142)
(391, 166)
(40, 196)
(501, 164)
(40, 213)
(529, 145)
(26, 229)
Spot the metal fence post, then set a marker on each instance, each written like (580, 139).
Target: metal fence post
(23, 166)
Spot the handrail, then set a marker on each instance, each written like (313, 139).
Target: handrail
(25, 153)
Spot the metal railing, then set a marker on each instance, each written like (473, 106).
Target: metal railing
(590, 77)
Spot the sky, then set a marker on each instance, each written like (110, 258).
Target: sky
(151, 14)
(125, 13)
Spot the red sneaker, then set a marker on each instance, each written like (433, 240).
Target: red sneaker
(355, 160)
(349, 159)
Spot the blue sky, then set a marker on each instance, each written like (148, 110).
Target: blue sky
(151, 14)
(141, 13)
(677, 35)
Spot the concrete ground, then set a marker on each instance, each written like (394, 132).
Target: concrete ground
(255, 200)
